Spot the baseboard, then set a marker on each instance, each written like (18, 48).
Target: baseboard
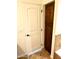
(35, 51)
(51, 57)
(21, 55)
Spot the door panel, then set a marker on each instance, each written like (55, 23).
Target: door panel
(49, 14)
(33, 19)
(36, 42)
(33, 27)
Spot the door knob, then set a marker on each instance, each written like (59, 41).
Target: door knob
(28, 35)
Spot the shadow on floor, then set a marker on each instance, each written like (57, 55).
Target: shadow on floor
(19, 51)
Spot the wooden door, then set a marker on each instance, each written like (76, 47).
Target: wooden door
(49, 15)
(33, 27)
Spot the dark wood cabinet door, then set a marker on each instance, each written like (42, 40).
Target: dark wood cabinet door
(49, 15)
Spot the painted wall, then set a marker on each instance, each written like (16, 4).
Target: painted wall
(58, 18)
(20, 26)
(46, 1)
(32, 1)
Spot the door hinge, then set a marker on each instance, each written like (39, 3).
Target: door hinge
(41, 44)
(41, 11)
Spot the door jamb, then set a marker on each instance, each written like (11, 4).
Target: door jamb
(54, 28)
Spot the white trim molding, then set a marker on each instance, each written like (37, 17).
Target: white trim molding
(34, 51)
(21, 55)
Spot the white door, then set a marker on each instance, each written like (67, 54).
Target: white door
(33, 27)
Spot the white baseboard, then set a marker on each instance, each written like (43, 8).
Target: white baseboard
(51, 57)
(28, 54)
(35, 51)
(21, 55)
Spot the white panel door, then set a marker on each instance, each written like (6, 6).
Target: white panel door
(33, 27)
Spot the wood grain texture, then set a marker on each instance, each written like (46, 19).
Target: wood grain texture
(41, 55)
(56, 56)
(49, 14)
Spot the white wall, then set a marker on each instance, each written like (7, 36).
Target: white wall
(58, 18)
(20, 26)
(69, 16)
(32, 1)
(46, 1)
